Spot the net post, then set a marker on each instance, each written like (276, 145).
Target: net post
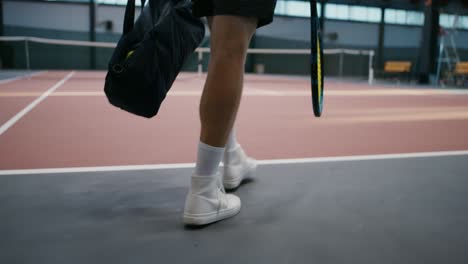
(341, 63)
(200, 62)
(26, 50)
(371, 67)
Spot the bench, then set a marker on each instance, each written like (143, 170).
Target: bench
(461, 70)
(398, 68)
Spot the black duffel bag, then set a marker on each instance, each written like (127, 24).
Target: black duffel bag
(151, 53)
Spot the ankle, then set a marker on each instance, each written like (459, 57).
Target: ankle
(204, 184)
(233, 156)
(208, 159)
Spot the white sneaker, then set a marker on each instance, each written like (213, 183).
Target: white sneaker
(207, 202)
(237, 167)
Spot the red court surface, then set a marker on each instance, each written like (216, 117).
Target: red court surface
(75, 126)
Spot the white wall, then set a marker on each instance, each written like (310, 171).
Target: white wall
(112, 13)
(349, 33)
(354, 34)
(402, 36)
(46, 15)
(75, 17)
(461, 38)
(287, 28)
(60, 16)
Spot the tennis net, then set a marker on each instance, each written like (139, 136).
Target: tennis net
(41, 53)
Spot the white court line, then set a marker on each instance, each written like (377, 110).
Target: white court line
(9, 80)
(259, 92)
(28, 108)
(261, 162)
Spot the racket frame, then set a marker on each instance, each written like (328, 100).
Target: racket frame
(316, 60)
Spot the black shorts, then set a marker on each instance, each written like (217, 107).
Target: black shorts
(261, 9)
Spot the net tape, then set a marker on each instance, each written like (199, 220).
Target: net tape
(204, 50)
(200, 51)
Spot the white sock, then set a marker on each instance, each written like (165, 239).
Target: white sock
(208, 159)
(232, 141)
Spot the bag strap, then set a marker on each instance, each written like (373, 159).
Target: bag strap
(129, 18)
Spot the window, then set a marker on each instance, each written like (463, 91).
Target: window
(374, 15)
(414, 18)
(109, 2)
(117, 2)
(446, 20)
(464, 22)
(365, 14)
(357, 13)
(353, 13)
(403, 17)
(294, 8)
(336, 11)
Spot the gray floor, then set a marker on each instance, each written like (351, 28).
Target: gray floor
(388, 211)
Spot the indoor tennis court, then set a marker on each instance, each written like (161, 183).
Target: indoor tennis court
(380, 177)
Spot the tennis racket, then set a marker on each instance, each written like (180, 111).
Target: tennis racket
(316, 60)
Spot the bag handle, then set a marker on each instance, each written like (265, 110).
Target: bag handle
(129, 18)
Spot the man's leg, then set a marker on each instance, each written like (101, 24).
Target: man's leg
(237, 165)
(230, 38)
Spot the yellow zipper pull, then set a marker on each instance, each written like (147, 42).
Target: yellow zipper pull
(129, 54)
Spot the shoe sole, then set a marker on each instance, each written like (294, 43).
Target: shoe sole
(235, 183)
(204, 219)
